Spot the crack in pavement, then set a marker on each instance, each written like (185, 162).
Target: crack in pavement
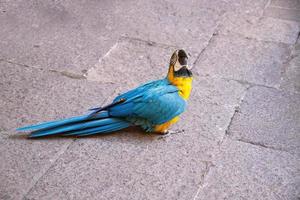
(62, 73)
(262, 145)
(236, 110)
(148, 42)
(44, 170)
(214, 34)
(250, 84)
(53, 160)
(208, 43)
(208, 166)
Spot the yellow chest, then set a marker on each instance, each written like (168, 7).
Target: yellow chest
(184, 85)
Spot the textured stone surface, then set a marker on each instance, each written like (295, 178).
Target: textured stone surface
(23, 162)
(234, 57)
(253, 7)
(132, 62)
(56, 34)
(291, 4)
(269, 118)
(211, 106)
(283, 13)
(245, 171)
(291, 78)
(32, 95)
(284, 9)
(128, 166)
(186, 26)
(257, 27)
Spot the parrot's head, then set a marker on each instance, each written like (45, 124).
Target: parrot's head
(179, 64)
(180, 74)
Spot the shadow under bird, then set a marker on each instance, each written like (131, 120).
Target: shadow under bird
(154, 106)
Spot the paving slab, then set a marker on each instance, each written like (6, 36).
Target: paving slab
(246, 171)
(61, 35)
(127, 165)
(133, 62)
(253, 7)
(32, 95)
(270, 118)
(186, 26)
(291, 77)
(284, 9)
(245, 59)
(72, 36)
(291, 4)
(283, 13)
(211, 106)
(24, 161)
(256, 27)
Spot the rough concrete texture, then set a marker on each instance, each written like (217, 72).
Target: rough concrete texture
(137, 56)
(282, 13)
(31, 95)
(284, 9)
(245, 59)
(169, 23)
(253, 7)
(55, 35)
(240, 137)
(130, 165)
(246, 171)
(23, 162)
(257, 27)
(268, 118)
(290, 4)
(211, 106)
(291, 78)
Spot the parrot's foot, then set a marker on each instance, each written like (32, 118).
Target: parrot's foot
(167, 133)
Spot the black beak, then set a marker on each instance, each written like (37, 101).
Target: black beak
(182, 57)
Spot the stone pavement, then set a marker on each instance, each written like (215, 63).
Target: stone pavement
(242, 126)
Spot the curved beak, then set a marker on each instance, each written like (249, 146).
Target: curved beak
(182, 58)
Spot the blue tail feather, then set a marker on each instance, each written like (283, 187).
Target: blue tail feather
(72, 127)
(79, 126)
(52, 124)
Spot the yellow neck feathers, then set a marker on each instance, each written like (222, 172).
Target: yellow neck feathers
(184, 84)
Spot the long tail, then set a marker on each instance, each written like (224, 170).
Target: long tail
(79, 126)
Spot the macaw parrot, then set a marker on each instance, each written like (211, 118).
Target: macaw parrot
(154, 106)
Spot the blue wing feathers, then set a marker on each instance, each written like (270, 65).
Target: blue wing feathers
(156, 101)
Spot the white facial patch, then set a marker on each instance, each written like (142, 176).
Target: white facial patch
(177, 66)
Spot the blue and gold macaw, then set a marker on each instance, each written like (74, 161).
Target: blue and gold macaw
(154, 106)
